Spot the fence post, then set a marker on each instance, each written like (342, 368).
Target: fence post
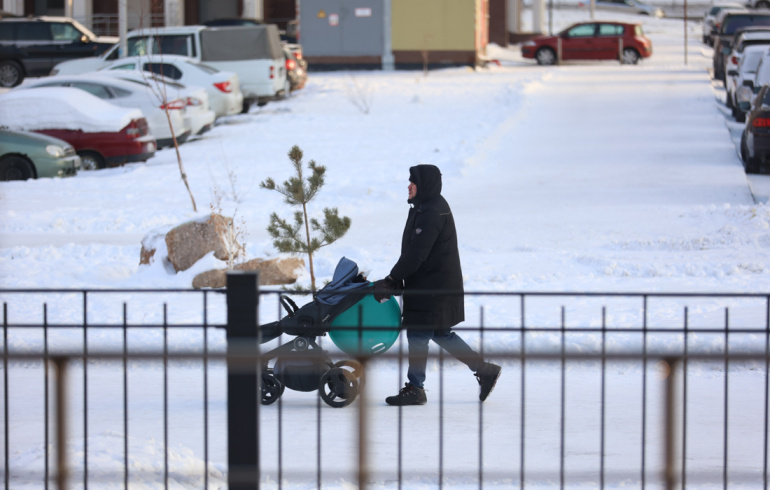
(242, 380)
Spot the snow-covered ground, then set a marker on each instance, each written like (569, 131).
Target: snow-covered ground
(583, 177)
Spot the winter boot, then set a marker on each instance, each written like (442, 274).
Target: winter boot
(487, 377)
(409, 395)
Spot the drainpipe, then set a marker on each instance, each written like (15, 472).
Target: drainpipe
(388, 63)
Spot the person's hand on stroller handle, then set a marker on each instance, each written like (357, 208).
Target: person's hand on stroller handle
(385, 288)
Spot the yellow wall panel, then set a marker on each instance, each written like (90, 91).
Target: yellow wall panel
(433, 25)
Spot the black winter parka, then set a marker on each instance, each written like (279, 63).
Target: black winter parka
(430, 261)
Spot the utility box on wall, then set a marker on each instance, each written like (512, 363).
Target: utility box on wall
(342, 32)
(443, 32)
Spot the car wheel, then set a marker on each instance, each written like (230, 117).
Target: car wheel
(15, 168)
(750, 165)
(11, 74)
(90, 160)
(545, 56)
(763, 5)
(630, 56)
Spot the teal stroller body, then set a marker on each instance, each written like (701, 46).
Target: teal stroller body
(358, 325)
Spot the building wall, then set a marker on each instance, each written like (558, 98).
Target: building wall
(434, 25)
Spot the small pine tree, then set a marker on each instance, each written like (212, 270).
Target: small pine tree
(299, 191)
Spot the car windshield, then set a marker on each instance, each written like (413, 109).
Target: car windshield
(734, 22)
(638, 31)
(750, 62)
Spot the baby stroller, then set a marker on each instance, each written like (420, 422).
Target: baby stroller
(356, 323)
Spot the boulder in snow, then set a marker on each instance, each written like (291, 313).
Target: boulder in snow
(271, 272)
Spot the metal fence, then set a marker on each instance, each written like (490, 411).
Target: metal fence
(158, 388)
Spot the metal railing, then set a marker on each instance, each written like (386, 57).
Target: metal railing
(649, 390)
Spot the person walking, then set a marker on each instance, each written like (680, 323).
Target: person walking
(430, 276)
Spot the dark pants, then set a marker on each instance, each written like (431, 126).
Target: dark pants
(448, 340)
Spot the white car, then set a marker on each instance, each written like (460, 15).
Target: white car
(196, 113)
(127, 94)
(223, 87)
(738, 95)
(629, 7)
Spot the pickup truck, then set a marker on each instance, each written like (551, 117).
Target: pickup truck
(253, 52)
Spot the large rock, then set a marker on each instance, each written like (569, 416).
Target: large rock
(191, 241)
(271, 272)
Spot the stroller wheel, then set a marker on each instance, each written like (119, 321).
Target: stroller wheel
(354, 367)
(271, 389)
(338, 387)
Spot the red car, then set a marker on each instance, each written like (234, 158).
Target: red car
(598, 40)
(101, 133)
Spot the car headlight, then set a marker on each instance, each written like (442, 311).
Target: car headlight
(55, 151)
(529, 43)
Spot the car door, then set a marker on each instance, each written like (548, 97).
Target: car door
(607, 45)
(70, 43)
(578, 42)
(34, 38)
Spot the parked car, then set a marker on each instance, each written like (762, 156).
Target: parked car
(253, 52)
(755, 141)
(591, 41)
(709, 19)
(25, 155)
(102, 134)
(739, 96)
(31, 46)
(196, 114)
(130, 94)
(222, 87)
(629, 7)
(294, 69)
(731, 22)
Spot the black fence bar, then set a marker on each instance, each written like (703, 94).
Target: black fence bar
(125, 395)
(85, 390)
(46, 475)
(5, 396)
(243, 390)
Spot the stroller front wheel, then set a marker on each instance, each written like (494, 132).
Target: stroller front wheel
(338, 387)
(271, 389)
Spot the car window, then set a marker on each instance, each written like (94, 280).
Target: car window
(136, 46)
(585, 30)
(63, 31)
(610, 30)
(750, 62)
(734, 22)
(181, 44)
(164, 69)
(33, 31)
(7, 31)
(98, 90)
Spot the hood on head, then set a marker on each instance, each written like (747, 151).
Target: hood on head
(427, 178)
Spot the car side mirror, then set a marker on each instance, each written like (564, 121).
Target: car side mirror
(732, 73)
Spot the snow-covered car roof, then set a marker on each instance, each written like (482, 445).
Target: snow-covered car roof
(62, 108)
